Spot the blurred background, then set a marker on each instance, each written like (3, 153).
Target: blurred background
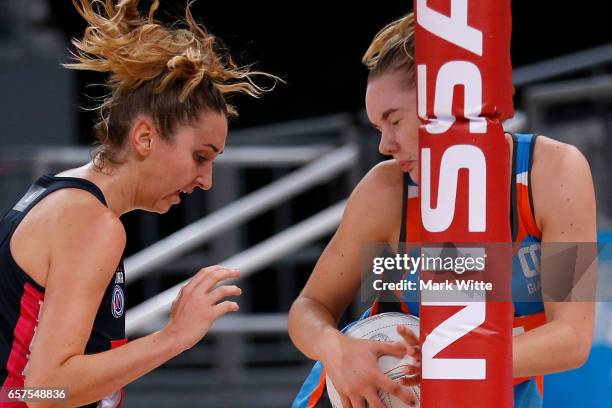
(292, 158)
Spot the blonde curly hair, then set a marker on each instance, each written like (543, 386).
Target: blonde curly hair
(171, 73)
(392, 49)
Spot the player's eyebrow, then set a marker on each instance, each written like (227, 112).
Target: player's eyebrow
(384, 116)
(388, 112)
(215, 148)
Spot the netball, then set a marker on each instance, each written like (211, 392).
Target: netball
(383, 327)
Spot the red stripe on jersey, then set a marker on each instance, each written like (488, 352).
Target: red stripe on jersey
(413, 233)
(31, 300)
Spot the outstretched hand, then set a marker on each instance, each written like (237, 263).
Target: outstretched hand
(200, 302)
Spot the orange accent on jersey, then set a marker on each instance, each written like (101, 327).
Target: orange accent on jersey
(318, 392)
(524, 207)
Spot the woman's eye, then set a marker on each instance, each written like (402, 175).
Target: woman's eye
(396, 122)
(200, 159)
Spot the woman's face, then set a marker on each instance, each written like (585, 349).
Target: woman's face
(391, 108)
(184, 164)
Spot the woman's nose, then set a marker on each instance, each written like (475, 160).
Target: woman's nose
(387, 145)
(204, 179)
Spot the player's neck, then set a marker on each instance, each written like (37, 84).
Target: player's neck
(117, 183)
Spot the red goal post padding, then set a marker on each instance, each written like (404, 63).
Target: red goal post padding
(464, 92)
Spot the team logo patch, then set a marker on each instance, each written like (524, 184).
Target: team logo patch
(117, 302)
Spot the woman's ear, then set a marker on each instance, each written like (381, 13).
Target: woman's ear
(142, 135)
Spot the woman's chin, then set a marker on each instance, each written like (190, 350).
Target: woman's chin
(164, 205)
(160, 207)
(164, 209)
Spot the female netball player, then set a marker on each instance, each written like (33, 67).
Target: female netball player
(161, 126)
(553, 201)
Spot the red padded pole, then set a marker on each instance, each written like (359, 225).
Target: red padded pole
(464, 93)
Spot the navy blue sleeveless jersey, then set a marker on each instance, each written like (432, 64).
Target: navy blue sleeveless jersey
(21, 298)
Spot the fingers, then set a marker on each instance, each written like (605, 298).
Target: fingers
(408, 335)
(391, 348)
(212, 277)
(203, 273)
(415, 352)
(412, 370)
(410, 381)
(413, 376)
(357, 402)
(346, 403)
(224, 291)
(413, 347)
(224, 308)
(205, 279)
(404, 394)
(373, 399)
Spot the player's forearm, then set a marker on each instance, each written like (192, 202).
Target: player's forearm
(89, 378)
(312, 327)
(550, 348)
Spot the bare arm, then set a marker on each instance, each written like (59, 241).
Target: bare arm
(85, 252)
(564, 202)
(371, 215)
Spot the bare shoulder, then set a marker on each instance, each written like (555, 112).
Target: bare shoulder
(547, 149)
(561, 181)
(384, 178)
(377, 199)
(90, 239)
(74, 212)
(66, 224)
(558, 161)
